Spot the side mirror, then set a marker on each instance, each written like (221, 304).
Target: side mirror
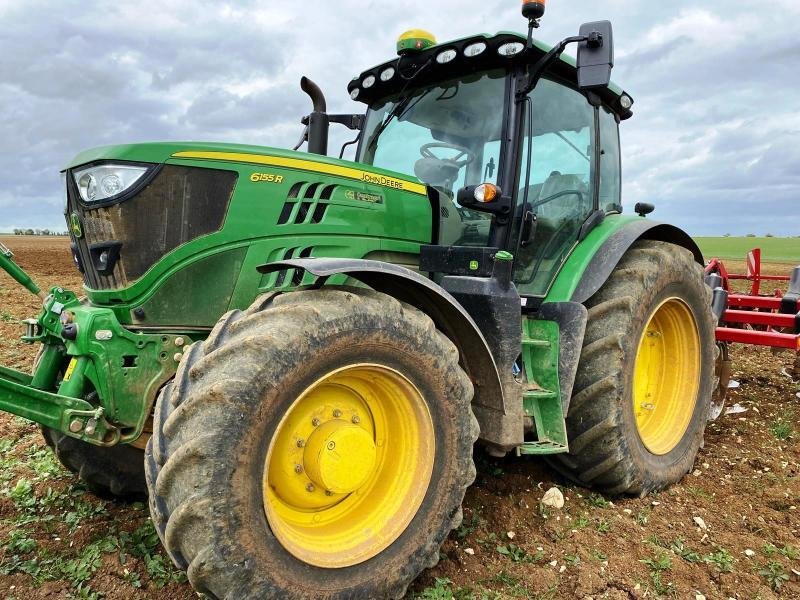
(595, 55)
(485, 197)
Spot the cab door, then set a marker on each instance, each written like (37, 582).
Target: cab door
(561, 185)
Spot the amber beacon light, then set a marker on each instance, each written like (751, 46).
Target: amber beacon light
(533, 9)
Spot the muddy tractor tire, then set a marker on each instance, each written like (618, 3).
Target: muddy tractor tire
(318, 444)
(116, 472)
(646, 375)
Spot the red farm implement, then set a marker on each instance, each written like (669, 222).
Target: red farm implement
(755, 316)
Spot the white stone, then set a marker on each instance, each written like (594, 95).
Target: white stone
(554, 498)
(700, 523)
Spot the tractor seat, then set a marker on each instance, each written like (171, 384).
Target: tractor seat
(564, 205)
(435, 172)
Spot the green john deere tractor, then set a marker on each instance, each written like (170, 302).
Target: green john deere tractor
(293, 355)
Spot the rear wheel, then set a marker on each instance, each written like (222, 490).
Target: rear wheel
(645, 377)
(318, 444)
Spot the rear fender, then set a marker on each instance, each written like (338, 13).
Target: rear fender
(605, 259)
(500, 423)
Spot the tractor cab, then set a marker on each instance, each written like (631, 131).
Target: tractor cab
(507, 112)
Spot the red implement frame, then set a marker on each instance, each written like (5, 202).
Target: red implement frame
(756, 318)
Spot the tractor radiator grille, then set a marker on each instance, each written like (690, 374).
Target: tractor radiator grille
(179, 205)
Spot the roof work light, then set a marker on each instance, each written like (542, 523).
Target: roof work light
(414, 40)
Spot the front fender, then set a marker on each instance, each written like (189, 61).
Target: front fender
(448, 315)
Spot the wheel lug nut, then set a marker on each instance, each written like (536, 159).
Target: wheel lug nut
(356, 420)
(315, 422)
(331, 445)
(328, 493)
(300, 443)
(310, 487)
(298, 469)
(337, 413)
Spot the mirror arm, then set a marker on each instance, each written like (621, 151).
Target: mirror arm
(354, 122)
(527, 83)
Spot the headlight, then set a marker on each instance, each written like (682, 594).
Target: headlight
(106, 181)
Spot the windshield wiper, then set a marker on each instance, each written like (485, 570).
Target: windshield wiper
(398, 112)
(574, 147)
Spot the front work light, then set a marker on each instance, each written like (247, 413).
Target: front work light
(101, 182)
(415, 40)
(474, 49)
(511, 49)
(445, 56)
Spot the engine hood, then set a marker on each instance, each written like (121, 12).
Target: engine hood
(178, 152)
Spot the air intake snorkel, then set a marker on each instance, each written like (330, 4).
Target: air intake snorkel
(318, 122)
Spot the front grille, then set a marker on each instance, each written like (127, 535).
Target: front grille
(177, 206)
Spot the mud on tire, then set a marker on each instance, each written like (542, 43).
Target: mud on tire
(214, 423)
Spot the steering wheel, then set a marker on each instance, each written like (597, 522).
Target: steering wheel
(469, 155)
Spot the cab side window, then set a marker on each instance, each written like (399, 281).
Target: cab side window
(609, 163)
(560, 186)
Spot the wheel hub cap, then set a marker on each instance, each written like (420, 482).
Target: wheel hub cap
(339, 457)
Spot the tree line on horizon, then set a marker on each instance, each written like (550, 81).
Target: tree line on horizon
(38, 232)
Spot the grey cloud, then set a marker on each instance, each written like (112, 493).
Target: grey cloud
(713, 140)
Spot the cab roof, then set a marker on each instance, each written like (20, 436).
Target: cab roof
(425, 69)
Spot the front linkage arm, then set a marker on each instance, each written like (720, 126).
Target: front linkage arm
(17, 273)
(94, 379)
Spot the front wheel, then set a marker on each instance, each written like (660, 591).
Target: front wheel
(318, 444)
(645, 377)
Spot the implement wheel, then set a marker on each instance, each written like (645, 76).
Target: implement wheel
(318, 444)
(117, 471)
(645, 377)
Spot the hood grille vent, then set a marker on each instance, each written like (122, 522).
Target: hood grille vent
(312, 203)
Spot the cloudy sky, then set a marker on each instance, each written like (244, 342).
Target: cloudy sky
(714, 142)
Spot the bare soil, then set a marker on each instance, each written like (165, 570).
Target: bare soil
(727, 530)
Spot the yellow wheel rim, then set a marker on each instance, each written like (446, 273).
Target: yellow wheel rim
(666, 376)
(348, 466)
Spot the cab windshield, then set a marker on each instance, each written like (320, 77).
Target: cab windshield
(447, 135)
